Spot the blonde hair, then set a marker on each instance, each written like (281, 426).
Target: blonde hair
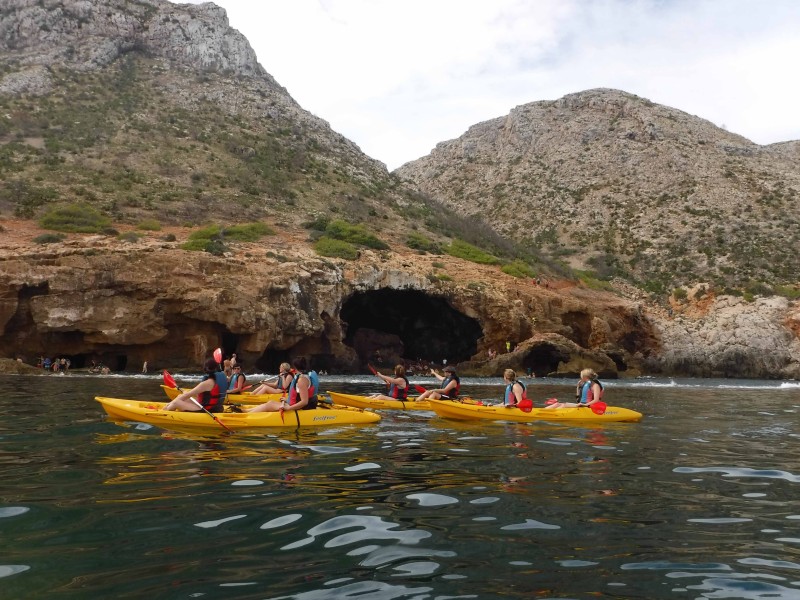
(400, 370)
(588, 374)
(286, 367)
(510, 375)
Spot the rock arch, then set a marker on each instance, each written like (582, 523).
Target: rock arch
(387, 325)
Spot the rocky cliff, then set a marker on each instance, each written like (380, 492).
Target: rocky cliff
(622, 186)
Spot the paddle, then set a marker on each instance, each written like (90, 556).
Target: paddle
(170, 381)
(375, 372)
(218, 355)
(598, 408)
(525, 405)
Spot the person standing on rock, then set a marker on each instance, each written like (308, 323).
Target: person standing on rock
(210, 392)
(449, 385)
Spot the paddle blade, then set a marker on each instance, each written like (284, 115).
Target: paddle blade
(168, 380)
(551, 401)
(420, 389)
(525, 405)
(373, 369)
(598, 408)
(218, 355)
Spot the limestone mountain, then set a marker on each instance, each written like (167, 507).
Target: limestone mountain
(621, 186)
(149, 109)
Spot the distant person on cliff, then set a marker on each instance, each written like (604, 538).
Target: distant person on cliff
(238, 380)
(449, 385)
(398, 385)
(588, 391)
(281, 386)
(302, 392)
(210, 392)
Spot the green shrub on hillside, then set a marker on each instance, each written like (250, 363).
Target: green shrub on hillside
(327, 246)
(149, 225)
(212, 238)
(75, 218)
(248, 232)
(519, 269)
(417, 241)
(461, 249)
(355, 234)
(49, 238)
(129, 236)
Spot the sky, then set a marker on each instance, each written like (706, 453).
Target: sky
(399, 76)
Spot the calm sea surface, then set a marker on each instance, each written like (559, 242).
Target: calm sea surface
(699, 500)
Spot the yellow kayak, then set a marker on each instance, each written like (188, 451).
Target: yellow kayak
(153, 413)
(245, 398)
(375, 404)
(473, 412)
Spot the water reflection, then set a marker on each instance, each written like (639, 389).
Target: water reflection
(695, 501)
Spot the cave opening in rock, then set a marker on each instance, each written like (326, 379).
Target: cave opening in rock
(230, 341)
(386, 326)
(543, 359)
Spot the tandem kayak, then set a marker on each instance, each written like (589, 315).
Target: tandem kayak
(376, 404)
(245, 398)
(153, 413)
(473, 412)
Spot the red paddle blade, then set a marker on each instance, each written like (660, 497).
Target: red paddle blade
(218, 355)
(420, 389)
(281, 412)
(598, 408)
(551, 401)
(168, 380)
(373, 369)
(525, 405)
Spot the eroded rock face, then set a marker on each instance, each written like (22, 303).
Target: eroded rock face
(92, 300)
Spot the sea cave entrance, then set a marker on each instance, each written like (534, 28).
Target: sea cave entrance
(387, 326)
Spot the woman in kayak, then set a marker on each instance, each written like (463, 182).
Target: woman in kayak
(210, 392)
(449, 385)
(302, 392)
(280, 387)
(515, 389)
(398, 385)
(588, 391)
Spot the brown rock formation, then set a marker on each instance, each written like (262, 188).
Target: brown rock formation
(95, 298)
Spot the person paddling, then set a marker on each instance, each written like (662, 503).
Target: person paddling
(285, 377)
(210, 392)
(398, 385)
(449, 385)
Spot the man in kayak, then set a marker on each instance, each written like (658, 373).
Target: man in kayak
(210, 392)
(588, 391)
(238, 380)
(449, 385)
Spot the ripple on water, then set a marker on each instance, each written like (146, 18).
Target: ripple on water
(741, 472)
(281, 521)
(248, 482)
(7, 570)
(363, 467)
(218, 522)
(12, 511)
(529, 524)
(432, 499)
(721, 520)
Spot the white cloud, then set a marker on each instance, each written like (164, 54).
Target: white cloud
(399, 76)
